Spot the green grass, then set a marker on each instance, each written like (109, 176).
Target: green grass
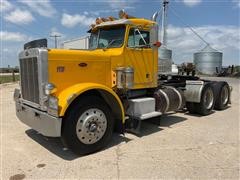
(237, 68)
(8, 78)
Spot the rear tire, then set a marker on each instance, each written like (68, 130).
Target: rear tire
(207, 102)
(191, 107)
(88, 126)
(222, 94)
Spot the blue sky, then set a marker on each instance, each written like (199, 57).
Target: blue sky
(217, 21)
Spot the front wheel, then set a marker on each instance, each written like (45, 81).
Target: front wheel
(88, 126)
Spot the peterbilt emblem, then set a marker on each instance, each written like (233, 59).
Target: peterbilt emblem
(60, 68)
(82, 64)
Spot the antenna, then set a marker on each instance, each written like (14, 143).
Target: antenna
(164, 23)
(55, 37)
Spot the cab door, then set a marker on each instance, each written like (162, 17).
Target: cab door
(140, 55)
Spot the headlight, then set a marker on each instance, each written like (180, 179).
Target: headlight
(52, 102)
(53, 105)
(49, 88)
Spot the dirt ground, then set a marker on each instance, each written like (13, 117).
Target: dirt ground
(183, 146)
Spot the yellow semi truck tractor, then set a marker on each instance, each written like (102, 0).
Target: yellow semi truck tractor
(82, 96)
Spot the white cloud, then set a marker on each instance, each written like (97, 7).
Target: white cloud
(77, 19)
(192, 3)
(42, 7)
(54, 31)
(97, 13)
(12, 36)
(6, 50)
(106, 11)
(5, 6)
(184, 43)
(10, 53)
(19, 17)
(236, 2)
(121, 4)
(86, 13)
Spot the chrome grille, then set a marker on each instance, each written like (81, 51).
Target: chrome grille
(29, 79)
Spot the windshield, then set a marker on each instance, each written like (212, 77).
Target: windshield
(108, 37)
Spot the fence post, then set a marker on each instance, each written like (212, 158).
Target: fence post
(13, 76)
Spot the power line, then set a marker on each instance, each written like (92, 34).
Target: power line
(26, 30)
(55, 37)
(194, 31)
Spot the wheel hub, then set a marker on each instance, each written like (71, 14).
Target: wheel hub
(208, 99)
(224, 95)
(91, 126)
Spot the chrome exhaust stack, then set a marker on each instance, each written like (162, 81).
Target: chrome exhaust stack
(155, 15)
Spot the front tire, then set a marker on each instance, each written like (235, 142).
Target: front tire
(88, 126)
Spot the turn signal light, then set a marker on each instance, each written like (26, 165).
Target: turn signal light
(157, 44)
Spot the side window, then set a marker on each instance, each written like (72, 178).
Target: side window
(138, 38)
(131, 38)
(93, 41)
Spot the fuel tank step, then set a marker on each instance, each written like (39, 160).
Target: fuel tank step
(141, 108)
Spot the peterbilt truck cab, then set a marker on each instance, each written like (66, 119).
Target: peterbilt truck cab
(82, 96)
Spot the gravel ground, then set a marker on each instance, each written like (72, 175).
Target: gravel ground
(183, 146)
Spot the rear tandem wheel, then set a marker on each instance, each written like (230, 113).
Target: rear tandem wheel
(222, 95)
(206, 104)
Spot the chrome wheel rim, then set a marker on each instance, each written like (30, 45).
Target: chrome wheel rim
(224, 95)
(91, 126)
(208, 99)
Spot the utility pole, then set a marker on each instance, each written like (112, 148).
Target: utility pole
(55, 37)
(164, 22)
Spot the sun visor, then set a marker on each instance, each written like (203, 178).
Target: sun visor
(36, 44)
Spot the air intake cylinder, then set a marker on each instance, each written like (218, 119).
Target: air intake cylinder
(125, 77)
(169, 99)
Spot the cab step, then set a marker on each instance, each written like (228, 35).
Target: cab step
(138, 110)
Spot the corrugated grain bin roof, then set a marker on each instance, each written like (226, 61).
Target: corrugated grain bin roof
(208, 60)
(208, 48)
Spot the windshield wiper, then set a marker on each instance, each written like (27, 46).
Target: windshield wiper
(111, 42)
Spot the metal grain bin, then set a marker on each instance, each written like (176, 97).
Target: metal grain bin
(208, 60)
(164, 61)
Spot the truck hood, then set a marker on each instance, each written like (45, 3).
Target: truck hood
(83, 55)
(70, 67)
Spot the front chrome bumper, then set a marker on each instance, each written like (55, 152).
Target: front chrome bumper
(40, 121)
